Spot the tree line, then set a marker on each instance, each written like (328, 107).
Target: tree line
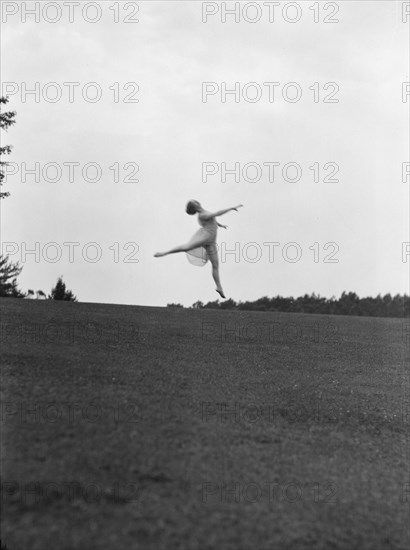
(349, 303)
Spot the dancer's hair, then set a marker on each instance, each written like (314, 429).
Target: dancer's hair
(191, 208)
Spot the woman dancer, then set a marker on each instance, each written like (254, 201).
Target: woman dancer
(202, 245)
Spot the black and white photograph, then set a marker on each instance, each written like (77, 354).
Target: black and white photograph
(204, 275)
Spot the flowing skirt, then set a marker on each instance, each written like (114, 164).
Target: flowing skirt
(199, 255)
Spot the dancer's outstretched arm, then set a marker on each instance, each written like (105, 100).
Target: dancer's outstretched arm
(210, 215)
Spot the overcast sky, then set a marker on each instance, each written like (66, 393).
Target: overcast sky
(173, 129)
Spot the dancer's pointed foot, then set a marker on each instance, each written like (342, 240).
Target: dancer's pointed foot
(159, 254)
(221, 292)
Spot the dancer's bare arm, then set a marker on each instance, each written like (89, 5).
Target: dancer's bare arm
(210, 215)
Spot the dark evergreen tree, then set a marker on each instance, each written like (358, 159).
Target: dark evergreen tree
(9, 271)
(60, 292)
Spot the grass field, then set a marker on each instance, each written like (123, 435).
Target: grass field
(159, 428)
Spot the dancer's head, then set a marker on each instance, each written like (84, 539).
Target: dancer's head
(192, 207)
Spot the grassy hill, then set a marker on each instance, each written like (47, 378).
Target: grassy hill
(159, 428)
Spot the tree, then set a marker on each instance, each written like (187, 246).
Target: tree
(213, 305)
(6, 120)
(9, 272)
(60, 292)
(228, 304)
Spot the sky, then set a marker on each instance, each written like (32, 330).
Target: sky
(319, 149)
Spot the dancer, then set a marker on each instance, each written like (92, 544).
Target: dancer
(202, 245)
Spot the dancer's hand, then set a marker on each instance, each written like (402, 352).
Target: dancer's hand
(236, 207)
(224, 226)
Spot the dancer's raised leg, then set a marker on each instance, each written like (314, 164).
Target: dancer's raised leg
(193, 243)
(181, 248)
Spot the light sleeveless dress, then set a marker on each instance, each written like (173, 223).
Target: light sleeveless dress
(207, 234)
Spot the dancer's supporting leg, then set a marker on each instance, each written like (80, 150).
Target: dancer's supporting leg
(213, 257)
